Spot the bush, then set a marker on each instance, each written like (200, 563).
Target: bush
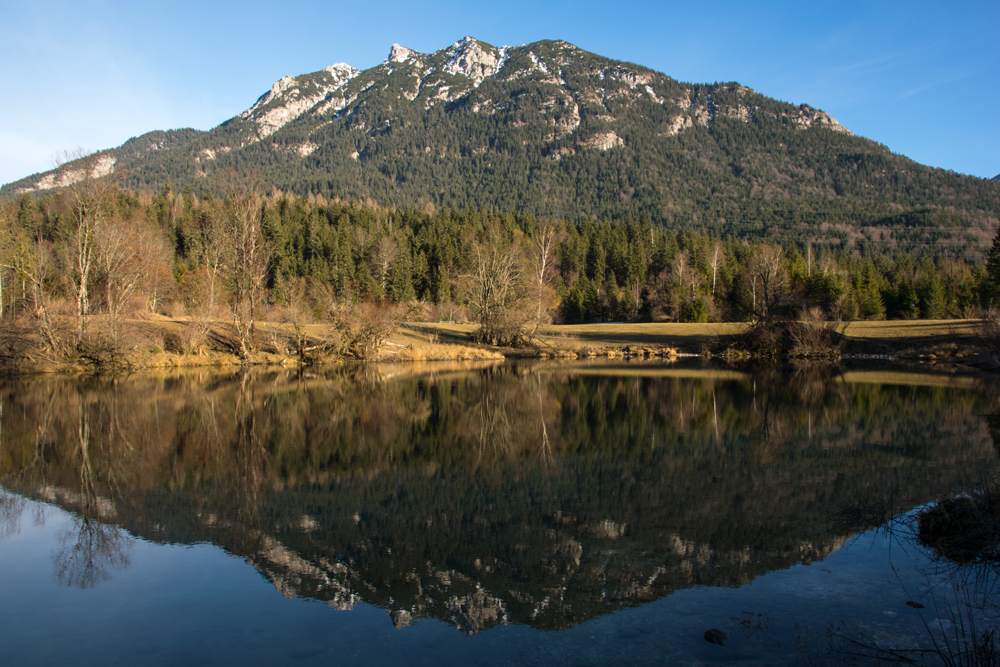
(103, 353)
(989, 331)
(695, 311)
(14, 347)
(812, 336)
(360, 331)
(964, 528)
(807, 335)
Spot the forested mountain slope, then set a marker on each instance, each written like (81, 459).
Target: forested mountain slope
(550, 129)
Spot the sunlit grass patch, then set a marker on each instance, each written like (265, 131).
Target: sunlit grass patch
(429, 352)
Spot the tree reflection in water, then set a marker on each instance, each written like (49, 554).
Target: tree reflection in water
(251, 462)
(92, 550)
(92, 545)
(537, 494)
(11, 508)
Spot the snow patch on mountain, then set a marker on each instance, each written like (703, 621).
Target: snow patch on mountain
(652, 93)
(539, 66)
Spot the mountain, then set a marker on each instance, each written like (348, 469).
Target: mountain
(551, 129)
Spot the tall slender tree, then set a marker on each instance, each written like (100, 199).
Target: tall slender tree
(249, 257)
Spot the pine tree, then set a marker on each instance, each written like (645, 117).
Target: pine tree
(992, 282)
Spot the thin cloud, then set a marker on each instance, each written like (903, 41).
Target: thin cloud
(935, 84)
(885, 60)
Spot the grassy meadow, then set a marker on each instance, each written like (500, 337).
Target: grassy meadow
(906, 337)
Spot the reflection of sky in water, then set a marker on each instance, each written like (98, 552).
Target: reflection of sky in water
(199, 605)
(551, 499)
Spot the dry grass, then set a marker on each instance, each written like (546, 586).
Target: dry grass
(670, 334)
(920, 340)
(911, 329)
(943, 337)
(676, 335)
(428, 352)
(599, 340)
(443, 332)
(165, 342)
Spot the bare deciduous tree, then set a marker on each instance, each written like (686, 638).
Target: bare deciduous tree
(767, 272)
(547, 237)
(498, 291)
(249, 255)
(126, 252)
(91, 205)
(9, 237)
(214, 251)
(383, 255)
(369, 327)
(29, 261)
(681, 269)
(715, 259)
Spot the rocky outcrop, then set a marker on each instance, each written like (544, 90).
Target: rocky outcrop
(806, 117)
(100, 506)
(97, 167)
(678, 123)
(604, 141)
(475, 60)
(477, 611)
(400, 54)
(290, 97)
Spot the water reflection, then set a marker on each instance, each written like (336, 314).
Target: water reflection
(11, 508)
(91, 549)
(537, 494)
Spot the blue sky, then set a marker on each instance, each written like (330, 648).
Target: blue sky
(919, 77)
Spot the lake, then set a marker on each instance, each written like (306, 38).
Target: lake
(488, 514)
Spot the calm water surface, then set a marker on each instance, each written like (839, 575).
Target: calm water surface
(500, 514)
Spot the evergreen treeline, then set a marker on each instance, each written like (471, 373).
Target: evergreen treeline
(322, 252)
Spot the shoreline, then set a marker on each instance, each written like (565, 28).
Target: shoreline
(940, 342)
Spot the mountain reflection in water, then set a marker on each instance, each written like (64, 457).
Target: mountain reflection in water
(536, 494)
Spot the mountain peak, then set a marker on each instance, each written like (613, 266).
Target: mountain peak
(399, 54)
(340, 71)
(476, 60)
(290, 96)
(472, 110)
